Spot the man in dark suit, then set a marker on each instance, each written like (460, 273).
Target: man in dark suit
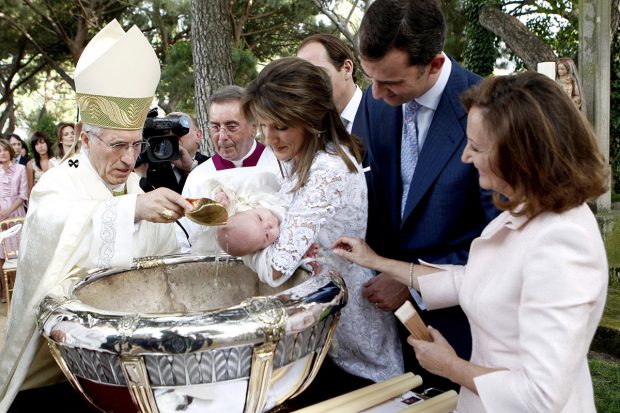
(174, 174)
(18, 144)
(333, 55)
(424, 203)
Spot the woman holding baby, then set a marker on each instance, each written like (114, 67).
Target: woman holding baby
(326, 194)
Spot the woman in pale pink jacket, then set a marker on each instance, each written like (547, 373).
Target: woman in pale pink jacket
(13, 193)
(535, 284)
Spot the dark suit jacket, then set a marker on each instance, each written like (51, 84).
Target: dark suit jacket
(445, 210)
(200, 157)
(162, 174)
(24, 160)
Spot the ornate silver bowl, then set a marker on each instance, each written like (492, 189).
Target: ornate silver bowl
(190, 333)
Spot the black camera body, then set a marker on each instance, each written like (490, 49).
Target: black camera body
(162, 135)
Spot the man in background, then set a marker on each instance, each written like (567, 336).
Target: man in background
(173, 174)
(234, 139)
(333, 55)
(18, 144)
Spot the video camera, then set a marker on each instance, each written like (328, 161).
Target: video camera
(163, 135)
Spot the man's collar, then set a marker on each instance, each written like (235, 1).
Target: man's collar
(239, 163)
(350, 110)
(432, 97)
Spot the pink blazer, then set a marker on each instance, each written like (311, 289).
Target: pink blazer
(534, 293)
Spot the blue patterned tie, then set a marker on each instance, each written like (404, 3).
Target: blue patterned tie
(408, 149)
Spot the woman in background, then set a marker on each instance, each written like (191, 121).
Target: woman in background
(535, 284)
(65, 138)
(42, 162)
(13, 191)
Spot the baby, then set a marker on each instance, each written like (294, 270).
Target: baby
(255, 211)
(248, 231)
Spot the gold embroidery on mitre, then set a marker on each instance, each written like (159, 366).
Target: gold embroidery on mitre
(113, 112)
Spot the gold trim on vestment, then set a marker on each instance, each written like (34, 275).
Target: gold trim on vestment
(114, 112)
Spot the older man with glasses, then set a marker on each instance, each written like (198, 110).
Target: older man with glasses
(88, 212)
(234, 139)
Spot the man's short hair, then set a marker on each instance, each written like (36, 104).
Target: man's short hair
(337, 50)
(227, 93)
(415, 27)
(15, 136)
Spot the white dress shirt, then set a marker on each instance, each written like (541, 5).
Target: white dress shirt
(349, 112)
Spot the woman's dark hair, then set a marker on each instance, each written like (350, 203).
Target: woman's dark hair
(37, 137)
(544, 148)
(292, 91)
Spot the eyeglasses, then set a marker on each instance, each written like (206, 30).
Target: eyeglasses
(122, 147)
(229, 128)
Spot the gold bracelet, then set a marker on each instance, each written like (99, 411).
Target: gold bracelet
(411, 275)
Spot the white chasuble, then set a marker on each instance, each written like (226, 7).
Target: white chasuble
(73, 221)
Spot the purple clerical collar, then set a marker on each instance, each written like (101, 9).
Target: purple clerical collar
(221, 163)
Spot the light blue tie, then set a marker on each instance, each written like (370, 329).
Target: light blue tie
(408, 149)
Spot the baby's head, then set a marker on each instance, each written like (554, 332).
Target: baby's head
(248, 232)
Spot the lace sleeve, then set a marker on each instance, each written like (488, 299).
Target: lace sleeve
(311, 208)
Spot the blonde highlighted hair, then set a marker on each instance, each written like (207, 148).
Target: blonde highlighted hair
(292, 91)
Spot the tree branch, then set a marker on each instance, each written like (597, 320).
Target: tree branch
(51, 62)
(518, 38)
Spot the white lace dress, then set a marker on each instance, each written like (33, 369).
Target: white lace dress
(332, 203)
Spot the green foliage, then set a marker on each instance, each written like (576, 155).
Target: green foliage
(244, 64)
(177, 79)
(455, 22)
(605, 373)
(273, 28)
(480, 52)
(46, 123)
(614, 118)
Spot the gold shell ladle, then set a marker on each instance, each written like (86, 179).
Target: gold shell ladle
(207, 212)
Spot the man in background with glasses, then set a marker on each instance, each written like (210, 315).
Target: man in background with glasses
(234, 139)
(88, 212)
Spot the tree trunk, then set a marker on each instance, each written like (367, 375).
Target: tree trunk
(615, 18)
(211, 34)
(518, 38)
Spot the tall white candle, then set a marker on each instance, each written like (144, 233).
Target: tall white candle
(547, 69)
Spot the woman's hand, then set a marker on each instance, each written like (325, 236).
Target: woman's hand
(438, 356)
(356, 250)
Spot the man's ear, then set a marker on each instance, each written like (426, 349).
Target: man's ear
(437, 63)
(85, 139)
(347, 68)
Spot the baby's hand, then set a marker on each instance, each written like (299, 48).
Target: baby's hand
(313, 252)
(221, 198)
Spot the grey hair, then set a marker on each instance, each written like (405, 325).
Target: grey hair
(91, 129)
(226, 93)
